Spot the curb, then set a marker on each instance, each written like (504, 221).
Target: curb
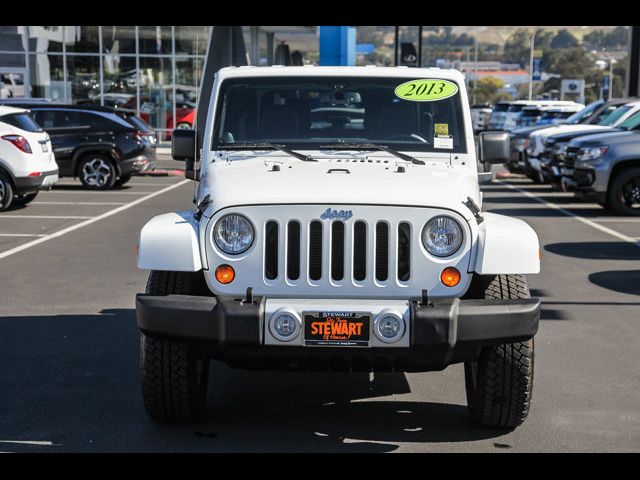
(162, 173)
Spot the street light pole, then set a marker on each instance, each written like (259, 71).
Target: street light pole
(475, 68)
(611, 62)
(533, 41)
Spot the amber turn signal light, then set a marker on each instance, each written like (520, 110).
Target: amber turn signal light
(450, 277)
(225, 274)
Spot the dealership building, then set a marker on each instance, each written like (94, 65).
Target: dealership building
(154, 70)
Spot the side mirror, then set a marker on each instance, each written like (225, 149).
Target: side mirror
(494, 147)
(183, 148)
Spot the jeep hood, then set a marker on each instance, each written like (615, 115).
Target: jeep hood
(372, 181)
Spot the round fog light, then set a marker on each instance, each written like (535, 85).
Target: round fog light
(450, 277)
(285, 325)
(389, 327)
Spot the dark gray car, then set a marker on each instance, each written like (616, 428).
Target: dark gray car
(606, 167)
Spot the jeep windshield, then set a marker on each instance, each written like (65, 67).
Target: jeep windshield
(310, 113)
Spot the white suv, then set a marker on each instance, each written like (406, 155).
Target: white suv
(338, 227)
(27, 163)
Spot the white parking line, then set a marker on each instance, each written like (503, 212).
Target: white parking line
(64, 231)
(568, 213)
(77, 203)
(22, 235)
(77, 217)
(97, 192)
(630, 220)
(29, 442)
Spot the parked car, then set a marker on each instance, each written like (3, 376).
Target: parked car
(498, 115)
(546, 143)
(520, 137)
(337, 259)
(516, 109)
(480, 117)
(185, 113)
(95, 144)
(604, 167)
(556, 115)
(27, 162)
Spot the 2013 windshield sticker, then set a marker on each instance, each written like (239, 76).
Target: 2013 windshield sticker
(426, 90)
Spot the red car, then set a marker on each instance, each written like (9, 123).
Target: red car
(185, 113)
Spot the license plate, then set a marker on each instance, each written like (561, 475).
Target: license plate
(44, 147)
(340, 329)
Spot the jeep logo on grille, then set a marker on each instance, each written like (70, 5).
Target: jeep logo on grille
(329, 214)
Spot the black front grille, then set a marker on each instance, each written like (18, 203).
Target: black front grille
(271, 250)
(404, 252)
(570, 157)
(360, 251)
(337, 250)
(315, 250)
(293, 250)
(382, 251)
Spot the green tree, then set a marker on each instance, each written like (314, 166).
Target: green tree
(568, 62)
(564, 39)
(488, 91)
(618, 37)
(517, 47)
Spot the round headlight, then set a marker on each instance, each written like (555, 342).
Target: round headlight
(442, 236)
(233, 234)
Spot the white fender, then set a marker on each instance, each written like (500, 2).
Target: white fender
(170, 242)
(506, 245)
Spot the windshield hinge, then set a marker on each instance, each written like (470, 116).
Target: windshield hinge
(202, 206)
(471, 205)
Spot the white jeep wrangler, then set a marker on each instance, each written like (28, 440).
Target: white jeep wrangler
(338, 228)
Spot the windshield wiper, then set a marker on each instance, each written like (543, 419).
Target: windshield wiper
(267, 146)
(371, 146)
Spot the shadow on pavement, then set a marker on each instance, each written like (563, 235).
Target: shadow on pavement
(595, 250)
(527, 212)
(73, 381)
(75, 187)
(623, 281)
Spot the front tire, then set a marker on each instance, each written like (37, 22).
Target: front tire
(174, 375)
(97, 172)
(24, 199)
(499, 383)
(122, 180)
(624, 193)
(6, 192)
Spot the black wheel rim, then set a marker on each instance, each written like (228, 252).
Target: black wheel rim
(630, 193)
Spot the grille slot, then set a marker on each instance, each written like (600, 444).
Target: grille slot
(337, 250)
(382, 251)
(293, 250)
(404, 251)
(315, 250)
(271, 250)
(570, 157)
(360, 251)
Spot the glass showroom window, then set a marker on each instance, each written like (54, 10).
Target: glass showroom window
(156, 92)
(119, 39)
(154, 40)
(47, 76)
(191, 40)
(83, 75)
(48, 39)
(82, 39)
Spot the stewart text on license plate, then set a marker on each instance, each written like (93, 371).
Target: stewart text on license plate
(342, 329)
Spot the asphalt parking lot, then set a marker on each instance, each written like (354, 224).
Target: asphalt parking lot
(69, 379)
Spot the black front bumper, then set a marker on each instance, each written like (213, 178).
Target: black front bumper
(445, 332)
